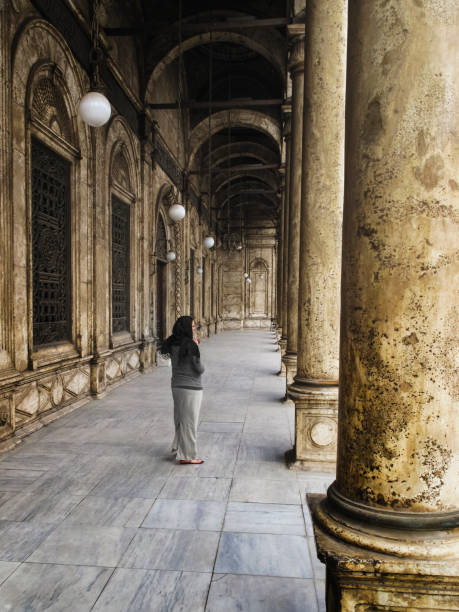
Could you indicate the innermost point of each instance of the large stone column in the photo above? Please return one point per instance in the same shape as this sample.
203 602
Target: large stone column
315 387
296 67
393 510
6 319
287 111
279 262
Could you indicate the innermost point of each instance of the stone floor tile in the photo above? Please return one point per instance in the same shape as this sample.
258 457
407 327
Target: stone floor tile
233 593
169 549
6 569
314 483
264 518
7 495
110 511
221 426
41 508
259 447
218 468
19 540
264 470
129 483
18 480
264 554
264 491
186 514
154 591
35 461
204 489
308 520
224 413
320 591
53 587
317 566
84 545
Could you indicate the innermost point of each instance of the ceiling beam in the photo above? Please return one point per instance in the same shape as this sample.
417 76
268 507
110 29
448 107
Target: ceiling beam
235 103
242 168
236 24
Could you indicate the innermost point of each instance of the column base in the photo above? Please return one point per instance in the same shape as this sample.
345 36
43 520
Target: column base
418 570
305 465
282 347
290 361
316 424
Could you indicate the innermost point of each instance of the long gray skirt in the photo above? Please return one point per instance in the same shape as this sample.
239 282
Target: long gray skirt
187 406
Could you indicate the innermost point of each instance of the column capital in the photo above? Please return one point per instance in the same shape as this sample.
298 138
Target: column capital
296 33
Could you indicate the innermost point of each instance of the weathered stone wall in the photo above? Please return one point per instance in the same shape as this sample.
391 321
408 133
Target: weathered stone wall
37 382
40 89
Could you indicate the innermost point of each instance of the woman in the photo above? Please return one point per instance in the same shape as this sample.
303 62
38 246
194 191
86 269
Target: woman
186 385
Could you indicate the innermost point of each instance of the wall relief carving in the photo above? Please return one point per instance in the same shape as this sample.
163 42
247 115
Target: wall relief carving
48 107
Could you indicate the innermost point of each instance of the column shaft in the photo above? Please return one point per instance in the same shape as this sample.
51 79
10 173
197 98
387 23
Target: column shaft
315 388
396 488
283 340
6 319
296 66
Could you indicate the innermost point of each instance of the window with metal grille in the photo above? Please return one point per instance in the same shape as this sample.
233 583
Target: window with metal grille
120 265
51 271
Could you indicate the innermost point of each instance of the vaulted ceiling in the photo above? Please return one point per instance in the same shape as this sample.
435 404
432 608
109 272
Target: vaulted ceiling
235 72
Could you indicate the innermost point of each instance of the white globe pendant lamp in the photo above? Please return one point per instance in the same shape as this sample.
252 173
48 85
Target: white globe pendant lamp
246 275
171 256
199 270
95 109
176 212
209 242
248 280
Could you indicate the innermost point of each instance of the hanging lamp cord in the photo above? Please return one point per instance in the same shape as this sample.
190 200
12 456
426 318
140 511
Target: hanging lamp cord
210 123
96 53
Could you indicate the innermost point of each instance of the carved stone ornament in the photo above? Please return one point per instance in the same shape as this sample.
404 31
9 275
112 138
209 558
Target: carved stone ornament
120 169
48 107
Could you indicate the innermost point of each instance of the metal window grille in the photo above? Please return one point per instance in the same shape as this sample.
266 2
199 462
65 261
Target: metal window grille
51 269
120 265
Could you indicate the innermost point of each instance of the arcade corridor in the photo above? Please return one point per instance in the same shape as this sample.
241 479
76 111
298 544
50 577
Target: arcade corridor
96 515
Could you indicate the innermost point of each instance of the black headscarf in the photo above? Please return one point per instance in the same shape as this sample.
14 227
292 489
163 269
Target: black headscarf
182 336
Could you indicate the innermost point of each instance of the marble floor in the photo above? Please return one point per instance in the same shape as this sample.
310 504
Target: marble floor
95 514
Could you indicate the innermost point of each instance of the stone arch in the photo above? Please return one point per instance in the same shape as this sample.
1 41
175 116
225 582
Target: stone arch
264 176
259 153
255 120
259 288
41 53
123 189
122 155
260 41
47 84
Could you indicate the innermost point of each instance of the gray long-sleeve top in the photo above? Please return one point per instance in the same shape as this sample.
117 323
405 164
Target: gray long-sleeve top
187 373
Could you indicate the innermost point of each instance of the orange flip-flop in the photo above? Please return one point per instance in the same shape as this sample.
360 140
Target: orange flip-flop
193 461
